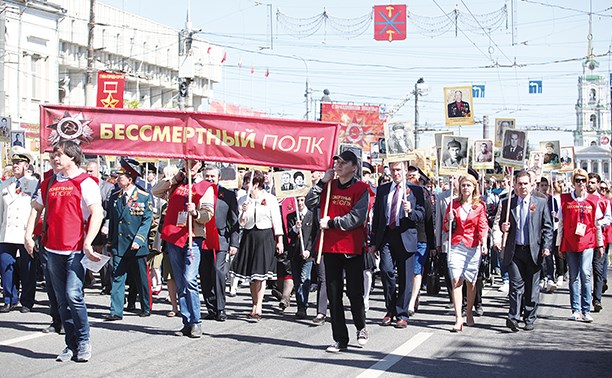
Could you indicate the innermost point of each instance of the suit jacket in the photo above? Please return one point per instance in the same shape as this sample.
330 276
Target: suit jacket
516 155
129 223
407 225
425 229
309 233
226 219
540 228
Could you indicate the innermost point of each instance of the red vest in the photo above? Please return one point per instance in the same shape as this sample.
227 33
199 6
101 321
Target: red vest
574 212
65 223
178 235
341 202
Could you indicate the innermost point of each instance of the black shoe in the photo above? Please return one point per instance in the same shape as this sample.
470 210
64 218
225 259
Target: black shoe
210 316
130 307
597 306
529 327
25 309
512 324
112 317
145 314
105 291
195 331
221 317
7 308
185 331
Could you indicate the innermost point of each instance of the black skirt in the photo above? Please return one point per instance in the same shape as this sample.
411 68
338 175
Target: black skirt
255 260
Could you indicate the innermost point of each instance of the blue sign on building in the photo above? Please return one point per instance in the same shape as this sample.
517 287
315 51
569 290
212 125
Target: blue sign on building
478 90
535 86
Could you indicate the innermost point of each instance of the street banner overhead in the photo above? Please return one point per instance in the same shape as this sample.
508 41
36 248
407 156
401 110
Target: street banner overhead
360 124
390 22
191 135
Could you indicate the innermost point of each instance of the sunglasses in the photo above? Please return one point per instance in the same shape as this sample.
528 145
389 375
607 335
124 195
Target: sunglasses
603 189
580 180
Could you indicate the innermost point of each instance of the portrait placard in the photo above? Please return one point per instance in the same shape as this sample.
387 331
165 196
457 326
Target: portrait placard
502 124
567 160
551 150
18 138
399 138
459 107
292 183
482 154
455 152
536 163
5 128
514 147
228 176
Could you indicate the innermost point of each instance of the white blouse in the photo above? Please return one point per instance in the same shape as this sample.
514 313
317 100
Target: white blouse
263 212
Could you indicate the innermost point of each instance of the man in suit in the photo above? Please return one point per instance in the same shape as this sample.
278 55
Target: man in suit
566 158
213 264
15 207
458 108
529 237
130 213
301 235
513 151
396 213
286 181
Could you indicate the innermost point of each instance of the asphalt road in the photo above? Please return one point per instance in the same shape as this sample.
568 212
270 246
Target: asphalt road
282 346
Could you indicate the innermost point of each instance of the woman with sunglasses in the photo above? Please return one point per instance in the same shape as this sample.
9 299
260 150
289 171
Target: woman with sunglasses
578 236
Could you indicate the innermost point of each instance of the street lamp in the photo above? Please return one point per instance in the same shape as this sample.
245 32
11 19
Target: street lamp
307 93
420 89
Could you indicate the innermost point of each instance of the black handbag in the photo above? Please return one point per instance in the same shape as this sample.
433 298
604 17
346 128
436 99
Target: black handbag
433 275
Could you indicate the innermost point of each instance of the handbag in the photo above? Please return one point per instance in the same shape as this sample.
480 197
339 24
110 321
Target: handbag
433 275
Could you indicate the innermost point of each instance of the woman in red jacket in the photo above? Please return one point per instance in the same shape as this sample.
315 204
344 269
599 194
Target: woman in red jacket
468 221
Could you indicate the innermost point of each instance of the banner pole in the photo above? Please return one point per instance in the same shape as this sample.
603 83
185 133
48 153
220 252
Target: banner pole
505 236
298 217
325 211
189 199
450 224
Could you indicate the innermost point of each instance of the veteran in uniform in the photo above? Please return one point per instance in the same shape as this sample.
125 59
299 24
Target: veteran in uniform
130 213
15 208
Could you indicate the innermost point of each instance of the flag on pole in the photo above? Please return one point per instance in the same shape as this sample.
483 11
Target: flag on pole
224 57
252 70
267 73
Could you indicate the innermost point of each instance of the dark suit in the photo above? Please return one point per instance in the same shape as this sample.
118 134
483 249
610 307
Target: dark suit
213 265
523 261
129 222
456 110
517 154
301 269
396 247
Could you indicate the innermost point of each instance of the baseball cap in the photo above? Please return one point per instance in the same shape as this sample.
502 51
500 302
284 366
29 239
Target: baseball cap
347 156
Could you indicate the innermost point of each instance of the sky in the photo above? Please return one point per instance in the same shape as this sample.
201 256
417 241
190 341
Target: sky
550 43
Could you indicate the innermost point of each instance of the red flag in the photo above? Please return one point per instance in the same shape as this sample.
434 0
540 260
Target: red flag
110 89
209 48
267 73
224 57
390 22
252 70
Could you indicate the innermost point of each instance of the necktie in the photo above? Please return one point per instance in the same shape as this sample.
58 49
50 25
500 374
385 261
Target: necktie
394 203
524 227
125 198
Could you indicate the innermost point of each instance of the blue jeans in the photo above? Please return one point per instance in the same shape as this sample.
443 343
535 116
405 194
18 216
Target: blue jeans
185 265
301 281
67 277
580 293
27 274
53 310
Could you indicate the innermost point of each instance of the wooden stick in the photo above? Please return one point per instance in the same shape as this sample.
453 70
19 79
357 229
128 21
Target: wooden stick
505 236
189 199
325 211
450 224
299 219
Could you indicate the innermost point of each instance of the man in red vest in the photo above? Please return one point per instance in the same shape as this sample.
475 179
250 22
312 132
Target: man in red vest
185 258
343 243
73 215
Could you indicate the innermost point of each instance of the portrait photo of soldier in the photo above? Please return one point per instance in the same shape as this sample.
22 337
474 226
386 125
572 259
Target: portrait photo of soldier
459 107
513 152
551 151
291 183
567 159
5 127
502 124
17 138
483 154
454 152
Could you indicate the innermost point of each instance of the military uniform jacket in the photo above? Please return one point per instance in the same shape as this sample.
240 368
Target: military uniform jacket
129 222
15 207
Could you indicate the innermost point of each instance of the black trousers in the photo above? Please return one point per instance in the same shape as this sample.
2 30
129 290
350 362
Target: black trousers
337 267
213 274
524 290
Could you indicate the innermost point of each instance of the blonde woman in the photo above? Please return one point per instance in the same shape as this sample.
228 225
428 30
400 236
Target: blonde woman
468 221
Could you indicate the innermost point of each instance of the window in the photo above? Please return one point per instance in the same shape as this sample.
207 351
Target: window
593 121
606 168
592 96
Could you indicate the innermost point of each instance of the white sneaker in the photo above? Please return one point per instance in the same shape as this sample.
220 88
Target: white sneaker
586 317
575 316
362 337
336 347
504 288
542 285
560 281
66 355
551 286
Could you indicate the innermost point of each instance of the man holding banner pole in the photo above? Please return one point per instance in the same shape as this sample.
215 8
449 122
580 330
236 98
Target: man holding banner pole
190 208
342 242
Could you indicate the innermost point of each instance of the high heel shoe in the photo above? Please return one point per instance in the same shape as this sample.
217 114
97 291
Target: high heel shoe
457 330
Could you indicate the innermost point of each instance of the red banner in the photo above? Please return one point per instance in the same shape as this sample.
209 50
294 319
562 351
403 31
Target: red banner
110 90
390 22
361 124
202 136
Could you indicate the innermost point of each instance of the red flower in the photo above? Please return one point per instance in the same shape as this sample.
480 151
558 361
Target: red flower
263 202
474 207
532 207
407 191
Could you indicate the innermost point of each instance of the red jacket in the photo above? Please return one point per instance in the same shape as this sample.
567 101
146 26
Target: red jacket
473 229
